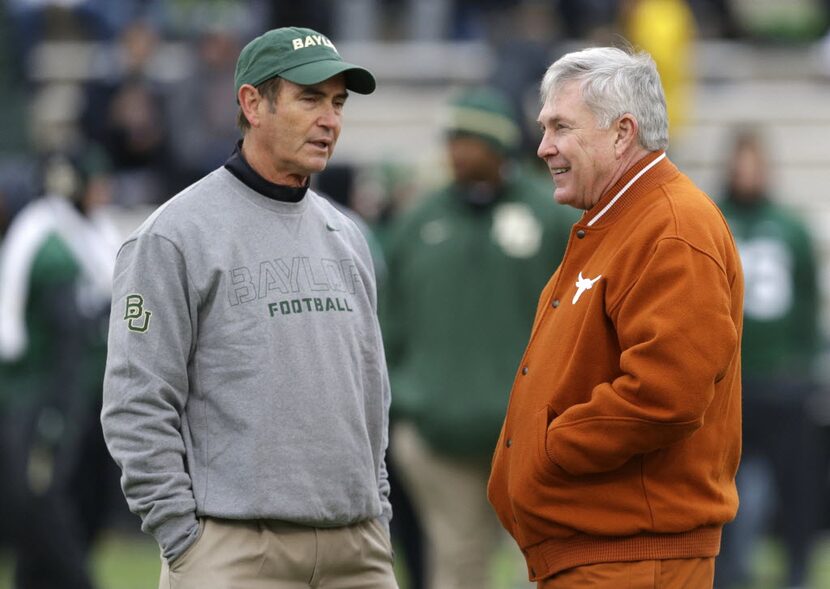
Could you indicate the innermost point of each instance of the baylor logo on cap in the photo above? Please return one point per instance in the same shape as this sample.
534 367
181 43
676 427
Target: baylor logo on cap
137 318
312 41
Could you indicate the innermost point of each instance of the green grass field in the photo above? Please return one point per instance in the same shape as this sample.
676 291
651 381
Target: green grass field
120 561
132 562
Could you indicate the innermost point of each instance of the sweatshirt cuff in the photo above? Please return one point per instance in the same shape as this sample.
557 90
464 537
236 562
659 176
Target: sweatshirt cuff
175 535
385 522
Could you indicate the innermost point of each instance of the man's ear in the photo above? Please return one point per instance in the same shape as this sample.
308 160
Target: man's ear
249 98
627 130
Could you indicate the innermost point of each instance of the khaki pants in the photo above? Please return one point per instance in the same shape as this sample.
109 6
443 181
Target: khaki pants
687 573
450 496
264 554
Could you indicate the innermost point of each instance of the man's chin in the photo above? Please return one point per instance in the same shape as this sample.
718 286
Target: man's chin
316 166
561 197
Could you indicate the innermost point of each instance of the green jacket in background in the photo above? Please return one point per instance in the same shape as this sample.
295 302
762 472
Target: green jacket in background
462 287
781 302
53 312
53 272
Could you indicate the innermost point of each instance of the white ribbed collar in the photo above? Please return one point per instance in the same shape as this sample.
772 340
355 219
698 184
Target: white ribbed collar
623 190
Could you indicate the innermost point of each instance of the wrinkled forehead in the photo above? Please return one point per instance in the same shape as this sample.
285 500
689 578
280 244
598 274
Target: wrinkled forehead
566 101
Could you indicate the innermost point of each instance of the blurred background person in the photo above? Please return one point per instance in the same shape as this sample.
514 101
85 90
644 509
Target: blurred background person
201 99
125 110
528 35
36 20
779 480
55 273
465 267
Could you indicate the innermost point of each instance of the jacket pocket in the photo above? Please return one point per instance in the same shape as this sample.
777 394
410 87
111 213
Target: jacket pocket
548 502
542 420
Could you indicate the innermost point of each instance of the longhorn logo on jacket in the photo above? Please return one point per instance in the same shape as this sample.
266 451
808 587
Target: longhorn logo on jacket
582 285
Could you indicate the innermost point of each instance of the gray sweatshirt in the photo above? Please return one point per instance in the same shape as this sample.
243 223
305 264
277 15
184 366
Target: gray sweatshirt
246 377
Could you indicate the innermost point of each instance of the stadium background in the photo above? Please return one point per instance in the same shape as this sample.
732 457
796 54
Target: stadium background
761 63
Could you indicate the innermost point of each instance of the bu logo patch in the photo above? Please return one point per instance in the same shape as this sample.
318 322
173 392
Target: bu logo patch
137 318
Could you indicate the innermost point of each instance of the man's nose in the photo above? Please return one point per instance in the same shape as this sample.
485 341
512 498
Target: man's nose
546 148
329 118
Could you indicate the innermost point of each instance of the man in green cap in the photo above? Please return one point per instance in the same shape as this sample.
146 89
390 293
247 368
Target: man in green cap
246 395
464 267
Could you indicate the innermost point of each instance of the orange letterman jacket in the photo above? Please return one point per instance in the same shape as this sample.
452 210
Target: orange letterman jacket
623 432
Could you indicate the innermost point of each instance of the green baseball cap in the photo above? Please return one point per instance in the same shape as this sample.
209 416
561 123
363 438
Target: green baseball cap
302 56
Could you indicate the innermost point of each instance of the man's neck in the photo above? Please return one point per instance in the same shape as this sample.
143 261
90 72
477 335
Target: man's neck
244 172
263 167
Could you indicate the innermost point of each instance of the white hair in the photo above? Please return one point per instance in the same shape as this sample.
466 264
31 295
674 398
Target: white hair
614 82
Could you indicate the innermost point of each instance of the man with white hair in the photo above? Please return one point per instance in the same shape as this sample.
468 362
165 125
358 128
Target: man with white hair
617 458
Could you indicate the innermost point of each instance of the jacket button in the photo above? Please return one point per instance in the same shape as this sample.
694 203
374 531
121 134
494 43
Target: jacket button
580 234
509 442
524 370
532 572
555 303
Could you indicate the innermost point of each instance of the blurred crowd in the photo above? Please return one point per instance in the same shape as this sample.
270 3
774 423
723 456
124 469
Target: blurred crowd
146 80
110 106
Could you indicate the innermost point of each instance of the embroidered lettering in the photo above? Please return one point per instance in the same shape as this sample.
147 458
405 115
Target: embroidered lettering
137 318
